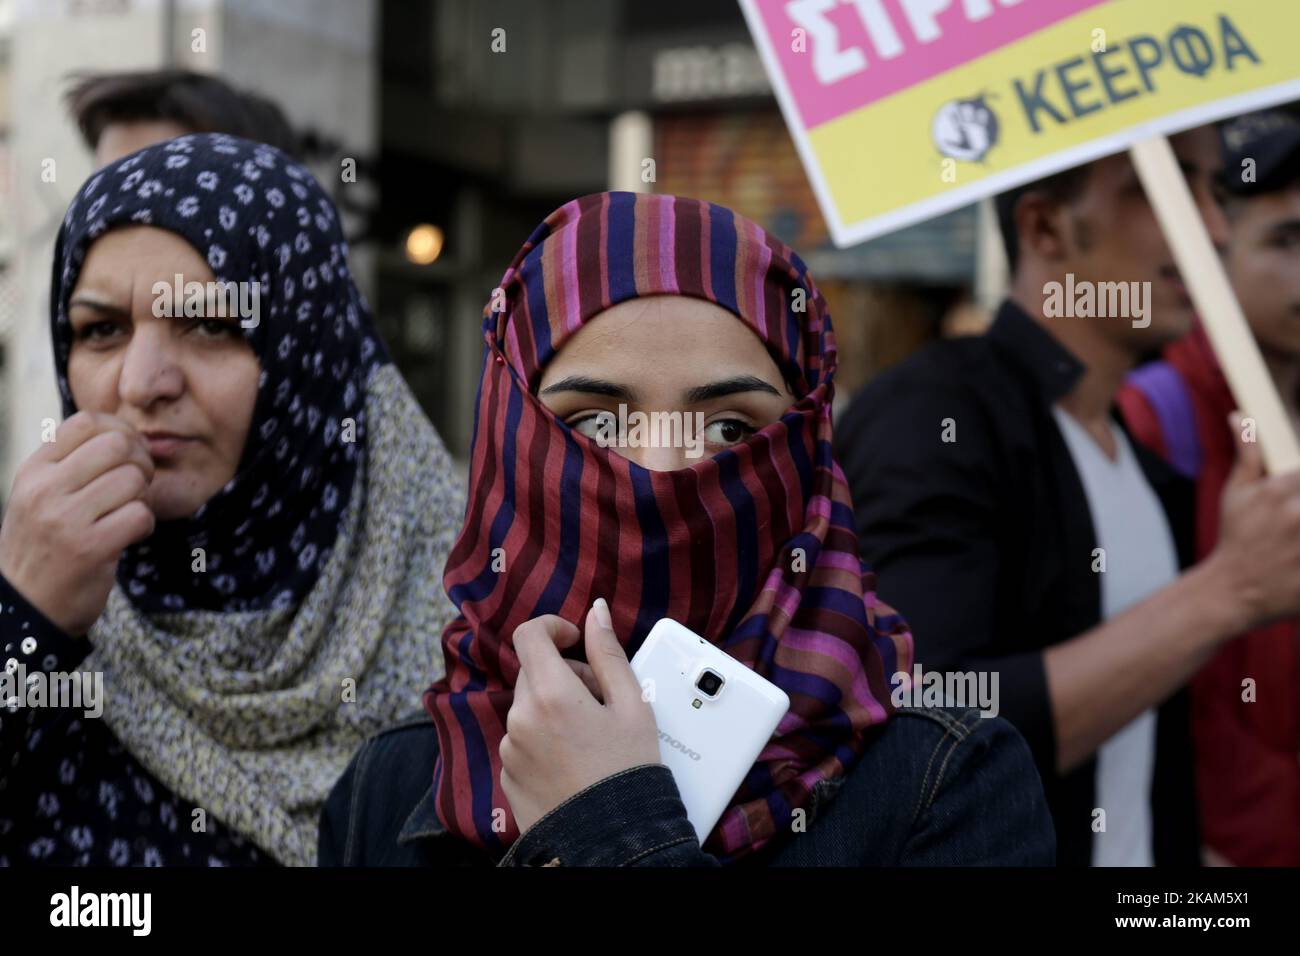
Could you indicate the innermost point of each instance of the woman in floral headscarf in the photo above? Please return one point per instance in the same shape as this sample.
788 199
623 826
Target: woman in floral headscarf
238 527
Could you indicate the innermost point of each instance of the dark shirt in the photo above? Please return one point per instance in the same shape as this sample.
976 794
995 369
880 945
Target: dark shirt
935 787
70 793
985 543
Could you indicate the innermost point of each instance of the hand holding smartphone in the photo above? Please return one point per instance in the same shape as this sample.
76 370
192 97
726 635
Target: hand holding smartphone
714 716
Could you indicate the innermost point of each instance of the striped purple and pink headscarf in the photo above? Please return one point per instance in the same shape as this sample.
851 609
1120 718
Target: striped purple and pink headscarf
754 549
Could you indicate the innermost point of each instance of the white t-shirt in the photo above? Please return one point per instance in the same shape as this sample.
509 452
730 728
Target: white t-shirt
1140 559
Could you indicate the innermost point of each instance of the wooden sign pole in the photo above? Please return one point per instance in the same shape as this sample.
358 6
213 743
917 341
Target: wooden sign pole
1217 305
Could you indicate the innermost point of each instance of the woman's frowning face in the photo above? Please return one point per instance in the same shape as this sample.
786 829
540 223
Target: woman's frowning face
188 384
665 354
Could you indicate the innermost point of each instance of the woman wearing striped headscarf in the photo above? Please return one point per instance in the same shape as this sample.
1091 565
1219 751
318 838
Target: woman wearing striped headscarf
578 537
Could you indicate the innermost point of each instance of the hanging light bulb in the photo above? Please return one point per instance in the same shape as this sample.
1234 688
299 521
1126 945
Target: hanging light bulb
423 244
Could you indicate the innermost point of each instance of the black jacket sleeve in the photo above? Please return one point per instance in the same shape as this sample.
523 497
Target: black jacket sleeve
380 813
923 464
31 645
988 767
632 818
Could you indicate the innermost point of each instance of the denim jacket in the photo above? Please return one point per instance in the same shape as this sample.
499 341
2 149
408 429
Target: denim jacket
935 787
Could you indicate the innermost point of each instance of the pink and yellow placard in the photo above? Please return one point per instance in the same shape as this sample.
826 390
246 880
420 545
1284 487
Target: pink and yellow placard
905 109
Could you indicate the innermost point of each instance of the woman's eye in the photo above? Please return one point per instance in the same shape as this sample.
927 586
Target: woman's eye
217 328
97 331
727 431
594 426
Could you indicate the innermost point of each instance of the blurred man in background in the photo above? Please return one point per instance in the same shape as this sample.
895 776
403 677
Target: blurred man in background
1014 523
1246 700
119 113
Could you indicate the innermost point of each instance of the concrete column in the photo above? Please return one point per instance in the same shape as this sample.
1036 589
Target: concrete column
991 272
631 143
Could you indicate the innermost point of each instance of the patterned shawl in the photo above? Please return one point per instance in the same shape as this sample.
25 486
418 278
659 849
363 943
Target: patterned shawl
754 548
246 687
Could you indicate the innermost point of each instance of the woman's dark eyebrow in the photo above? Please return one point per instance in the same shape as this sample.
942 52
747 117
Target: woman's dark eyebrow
1285 229
728 386
591 386
116 311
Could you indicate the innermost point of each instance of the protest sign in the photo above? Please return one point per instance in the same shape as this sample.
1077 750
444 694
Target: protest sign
901 116
905 109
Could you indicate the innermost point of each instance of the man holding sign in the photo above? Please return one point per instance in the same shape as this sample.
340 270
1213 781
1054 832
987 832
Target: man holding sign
1009 487
1246 701
1023 533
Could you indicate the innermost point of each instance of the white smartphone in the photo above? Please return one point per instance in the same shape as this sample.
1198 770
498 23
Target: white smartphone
714 714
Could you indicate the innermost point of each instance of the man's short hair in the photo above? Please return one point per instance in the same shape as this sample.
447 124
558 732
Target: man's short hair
1261 153
1059 187
195 101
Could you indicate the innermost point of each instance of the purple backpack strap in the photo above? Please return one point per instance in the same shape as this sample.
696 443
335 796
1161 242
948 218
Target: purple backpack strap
1165 389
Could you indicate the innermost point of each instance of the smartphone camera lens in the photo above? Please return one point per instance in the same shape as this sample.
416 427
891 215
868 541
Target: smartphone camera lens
709 683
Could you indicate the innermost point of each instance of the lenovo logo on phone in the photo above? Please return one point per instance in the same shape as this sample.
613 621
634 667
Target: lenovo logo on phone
678 745
714 714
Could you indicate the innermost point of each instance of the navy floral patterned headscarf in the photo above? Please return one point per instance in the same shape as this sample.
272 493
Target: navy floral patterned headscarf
333 549
254 214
